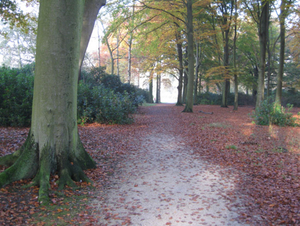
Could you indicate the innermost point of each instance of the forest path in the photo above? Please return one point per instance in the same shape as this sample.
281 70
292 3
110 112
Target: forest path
163 183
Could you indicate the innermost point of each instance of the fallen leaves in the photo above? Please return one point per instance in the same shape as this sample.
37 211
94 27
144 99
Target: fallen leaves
266 157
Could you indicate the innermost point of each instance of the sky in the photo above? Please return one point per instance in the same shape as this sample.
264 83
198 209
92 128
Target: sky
168 95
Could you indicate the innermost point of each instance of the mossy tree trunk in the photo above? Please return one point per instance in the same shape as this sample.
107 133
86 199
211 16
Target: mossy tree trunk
53 144
190 35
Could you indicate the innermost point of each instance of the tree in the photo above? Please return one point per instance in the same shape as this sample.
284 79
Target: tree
260 12
190 37
53 144
234 59
226 9
284 7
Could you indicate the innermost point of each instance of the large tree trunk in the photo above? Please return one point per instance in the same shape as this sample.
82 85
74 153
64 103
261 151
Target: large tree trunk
281 58
91 9
190 90
263 27
53 144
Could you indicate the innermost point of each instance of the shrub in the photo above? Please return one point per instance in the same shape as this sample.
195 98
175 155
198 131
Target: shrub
16 93
271 113
103 105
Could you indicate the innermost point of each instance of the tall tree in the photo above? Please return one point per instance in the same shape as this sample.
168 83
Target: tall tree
236 93
53 144
260 12
226 9
190 38
180 68
284 8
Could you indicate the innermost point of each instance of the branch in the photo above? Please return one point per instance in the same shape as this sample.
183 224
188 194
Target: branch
162 10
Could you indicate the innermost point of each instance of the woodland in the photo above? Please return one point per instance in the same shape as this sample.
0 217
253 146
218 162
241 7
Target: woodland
68 116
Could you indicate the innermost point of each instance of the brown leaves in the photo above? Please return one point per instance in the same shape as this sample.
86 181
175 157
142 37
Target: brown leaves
267 159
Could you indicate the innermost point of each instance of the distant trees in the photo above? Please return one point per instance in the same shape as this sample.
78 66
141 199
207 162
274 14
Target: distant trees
144 33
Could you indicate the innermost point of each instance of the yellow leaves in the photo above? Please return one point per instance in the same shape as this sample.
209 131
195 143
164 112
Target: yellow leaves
220 71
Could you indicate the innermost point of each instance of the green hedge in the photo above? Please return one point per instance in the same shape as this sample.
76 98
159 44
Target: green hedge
103 105
16 92
101 97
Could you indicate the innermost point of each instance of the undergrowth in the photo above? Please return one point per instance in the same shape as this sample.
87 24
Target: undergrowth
270 112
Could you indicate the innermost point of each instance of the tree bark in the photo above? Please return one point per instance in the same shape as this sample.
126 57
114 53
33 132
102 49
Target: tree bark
158 83
151 86
263 27
282 49
190 99
197 72
180 61
236 92
53 144
91 9
129 58
226 29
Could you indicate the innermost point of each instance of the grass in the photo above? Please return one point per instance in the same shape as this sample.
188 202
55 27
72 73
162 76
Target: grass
148 104
218 125
63 210
231 147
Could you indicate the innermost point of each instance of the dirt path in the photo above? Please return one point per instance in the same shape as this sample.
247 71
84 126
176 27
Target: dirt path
163 183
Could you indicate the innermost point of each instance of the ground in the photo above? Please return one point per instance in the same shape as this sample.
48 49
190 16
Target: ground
172 168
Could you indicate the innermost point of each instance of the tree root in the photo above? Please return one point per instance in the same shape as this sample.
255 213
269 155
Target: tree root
30 165
24 167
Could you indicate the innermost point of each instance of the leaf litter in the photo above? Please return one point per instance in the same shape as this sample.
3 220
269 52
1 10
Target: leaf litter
253 171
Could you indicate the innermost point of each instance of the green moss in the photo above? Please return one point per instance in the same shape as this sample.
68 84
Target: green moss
24 167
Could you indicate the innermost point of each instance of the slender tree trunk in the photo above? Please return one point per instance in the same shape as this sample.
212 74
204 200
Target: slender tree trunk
129 58
190 90
226 83
99 46
53 144
281 58
109 50
263 28
180 61
200 86
269 64
236 92
19 51
158 89
118 54
112 60
130 45
185 75
197 71
254 89
151 86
